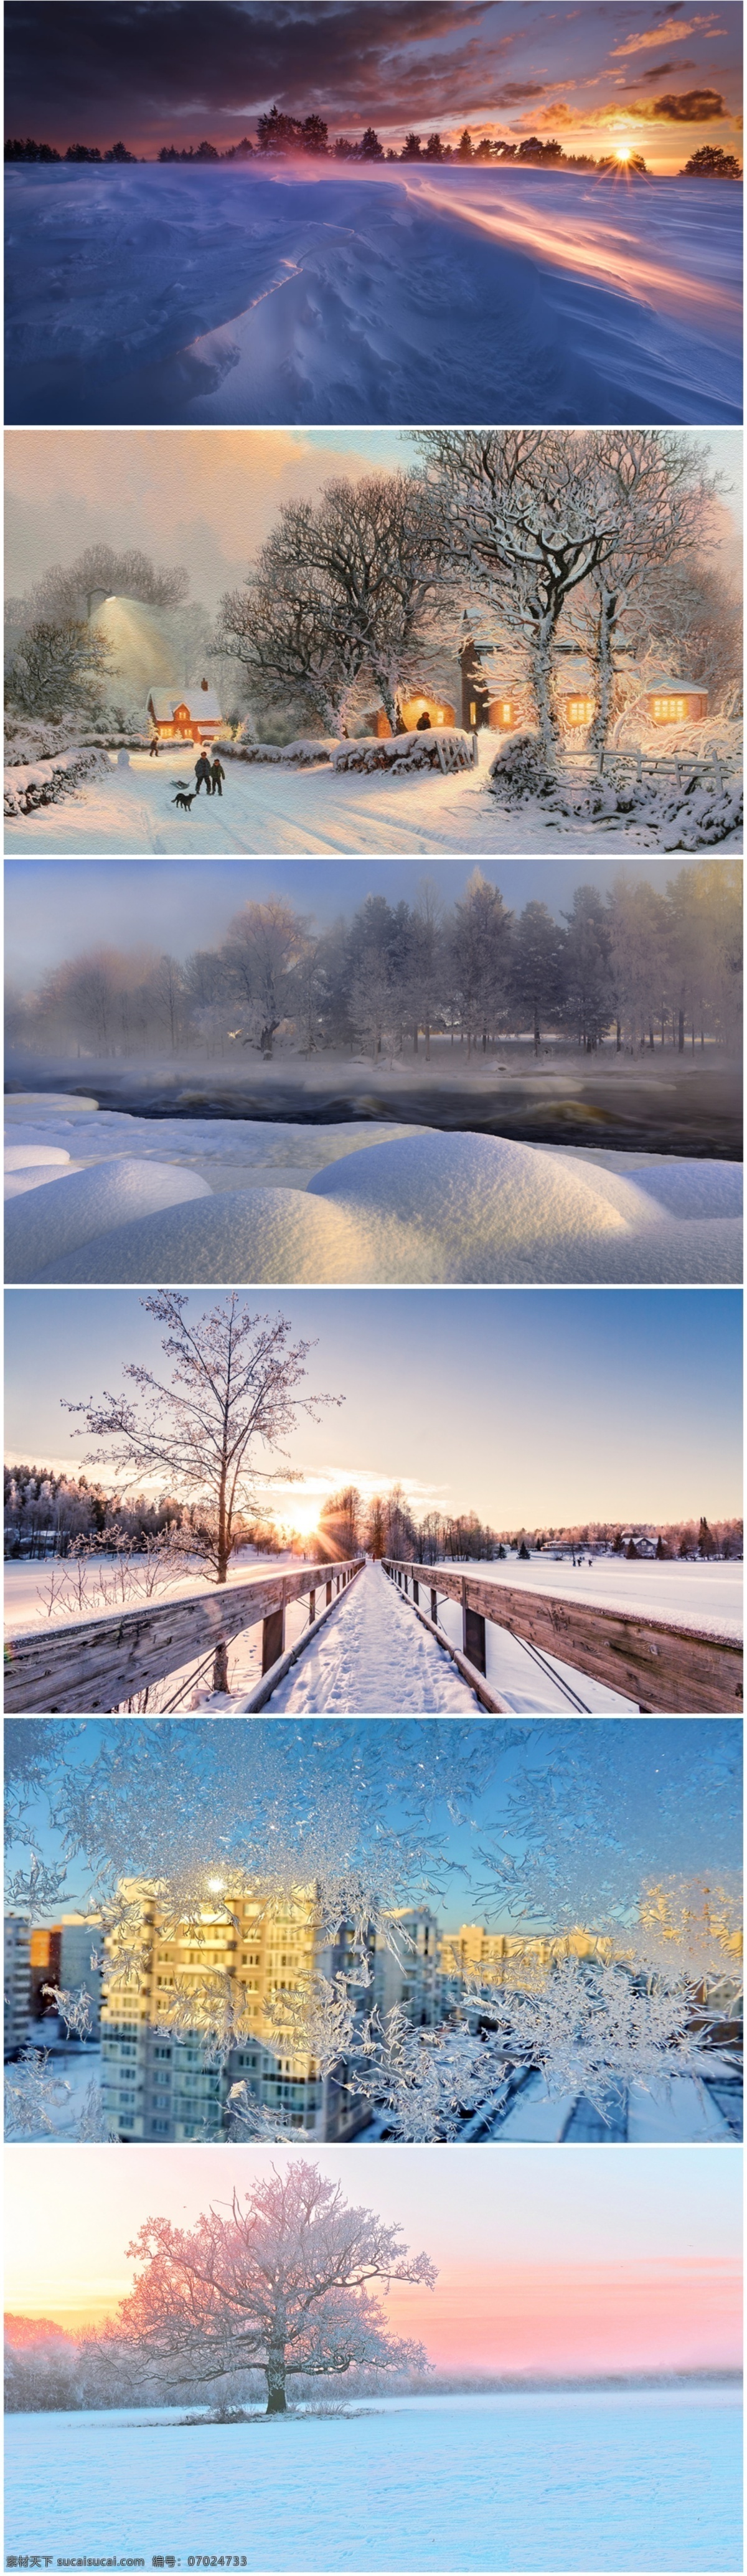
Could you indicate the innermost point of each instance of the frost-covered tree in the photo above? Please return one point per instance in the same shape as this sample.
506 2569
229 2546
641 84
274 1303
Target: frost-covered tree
62 592
282 2285
58 667
344 588
262 952
526 521
232 1390
480 949
653 491
536 967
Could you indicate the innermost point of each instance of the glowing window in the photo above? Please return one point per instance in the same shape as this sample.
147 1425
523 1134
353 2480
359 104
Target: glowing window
670 710
580 711
472 712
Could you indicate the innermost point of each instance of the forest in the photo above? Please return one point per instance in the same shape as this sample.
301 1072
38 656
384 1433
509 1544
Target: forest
649 970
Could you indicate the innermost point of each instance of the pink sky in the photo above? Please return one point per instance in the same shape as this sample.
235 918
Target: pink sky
597 2259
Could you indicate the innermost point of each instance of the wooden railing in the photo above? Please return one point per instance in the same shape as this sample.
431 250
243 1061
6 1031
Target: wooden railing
662 1668
101 1663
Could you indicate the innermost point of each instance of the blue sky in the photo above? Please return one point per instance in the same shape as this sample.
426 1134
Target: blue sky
660 1834
536 1406
55 908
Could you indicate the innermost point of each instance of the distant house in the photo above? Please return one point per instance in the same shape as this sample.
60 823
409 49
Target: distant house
421 709
671 701
576 694
194 716
484 700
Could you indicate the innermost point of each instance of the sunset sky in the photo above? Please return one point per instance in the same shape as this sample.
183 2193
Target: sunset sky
593 2260
208 498
535 1406
660 79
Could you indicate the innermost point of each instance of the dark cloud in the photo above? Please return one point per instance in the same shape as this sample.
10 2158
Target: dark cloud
512 92
659 71
82 68
691 107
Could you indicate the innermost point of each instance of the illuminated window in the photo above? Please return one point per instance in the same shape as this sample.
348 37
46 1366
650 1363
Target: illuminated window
580 711
670 710
506 712
472 712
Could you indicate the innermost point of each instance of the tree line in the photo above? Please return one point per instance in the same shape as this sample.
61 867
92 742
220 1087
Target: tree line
49 1515
280 133
652 969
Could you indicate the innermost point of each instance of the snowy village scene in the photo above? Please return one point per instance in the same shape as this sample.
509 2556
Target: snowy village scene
233 2346
358 1072
375 1932
334 212
373 1503
487 640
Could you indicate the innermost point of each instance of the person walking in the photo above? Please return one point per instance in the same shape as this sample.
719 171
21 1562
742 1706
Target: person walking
203 771
217 774
154 747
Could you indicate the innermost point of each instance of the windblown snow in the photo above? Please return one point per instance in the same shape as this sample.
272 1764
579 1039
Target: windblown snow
245 295
153 1202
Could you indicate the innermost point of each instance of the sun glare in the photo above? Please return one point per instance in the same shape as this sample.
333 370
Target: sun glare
623 152
305 1517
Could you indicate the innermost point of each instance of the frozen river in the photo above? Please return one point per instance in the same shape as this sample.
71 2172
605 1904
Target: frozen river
624 2480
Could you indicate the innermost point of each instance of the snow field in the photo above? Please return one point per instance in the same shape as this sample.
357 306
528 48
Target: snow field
354 1205
331 295
271 811
602 2480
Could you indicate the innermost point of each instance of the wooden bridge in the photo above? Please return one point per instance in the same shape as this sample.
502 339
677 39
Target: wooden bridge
661 1668
102 1662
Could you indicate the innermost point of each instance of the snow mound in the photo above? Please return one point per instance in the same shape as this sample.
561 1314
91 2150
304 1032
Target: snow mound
288 755
46 782
438 747
45 1225
23 1107
37 1176
20 1157
481 1208
280 1236
688 1188
691 815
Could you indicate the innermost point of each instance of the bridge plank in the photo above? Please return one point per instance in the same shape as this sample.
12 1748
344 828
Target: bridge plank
663 1668
89 1664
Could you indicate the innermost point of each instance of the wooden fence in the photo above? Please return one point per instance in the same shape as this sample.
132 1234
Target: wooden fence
662 1668
102 1662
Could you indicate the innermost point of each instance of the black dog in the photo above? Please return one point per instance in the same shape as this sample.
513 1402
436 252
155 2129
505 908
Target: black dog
184 800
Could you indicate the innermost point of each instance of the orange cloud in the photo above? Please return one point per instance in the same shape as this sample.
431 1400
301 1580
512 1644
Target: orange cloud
669 33
578 2320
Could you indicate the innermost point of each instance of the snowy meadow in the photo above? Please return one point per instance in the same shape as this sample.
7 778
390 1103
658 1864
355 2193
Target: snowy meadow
621 2479
215 296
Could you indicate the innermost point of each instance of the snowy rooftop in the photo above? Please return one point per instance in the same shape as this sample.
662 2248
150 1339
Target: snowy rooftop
200 703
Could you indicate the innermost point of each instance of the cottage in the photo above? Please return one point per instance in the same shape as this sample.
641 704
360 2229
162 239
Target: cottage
194 716
576 696
416 712
483 701
676 701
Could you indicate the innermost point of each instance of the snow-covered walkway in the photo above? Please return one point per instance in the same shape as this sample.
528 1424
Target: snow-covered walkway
307 813
372 1658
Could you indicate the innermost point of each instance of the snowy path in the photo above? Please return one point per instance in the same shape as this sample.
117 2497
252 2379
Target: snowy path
327 295
268 810
372 1658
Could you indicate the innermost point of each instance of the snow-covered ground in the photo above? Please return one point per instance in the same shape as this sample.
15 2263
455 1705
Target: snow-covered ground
372 1656
259 1201
402 295
627 2480
267 809
701 1596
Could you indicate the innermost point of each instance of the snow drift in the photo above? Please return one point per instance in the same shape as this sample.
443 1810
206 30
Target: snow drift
245 1201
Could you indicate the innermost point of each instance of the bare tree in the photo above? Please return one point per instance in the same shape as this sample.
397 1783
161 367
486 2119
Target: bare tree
263 949
344 587
281 2285
232 1389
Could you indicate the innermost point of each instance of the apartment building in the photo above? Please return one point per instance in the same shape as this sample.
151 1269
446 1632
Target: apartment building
17 1983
